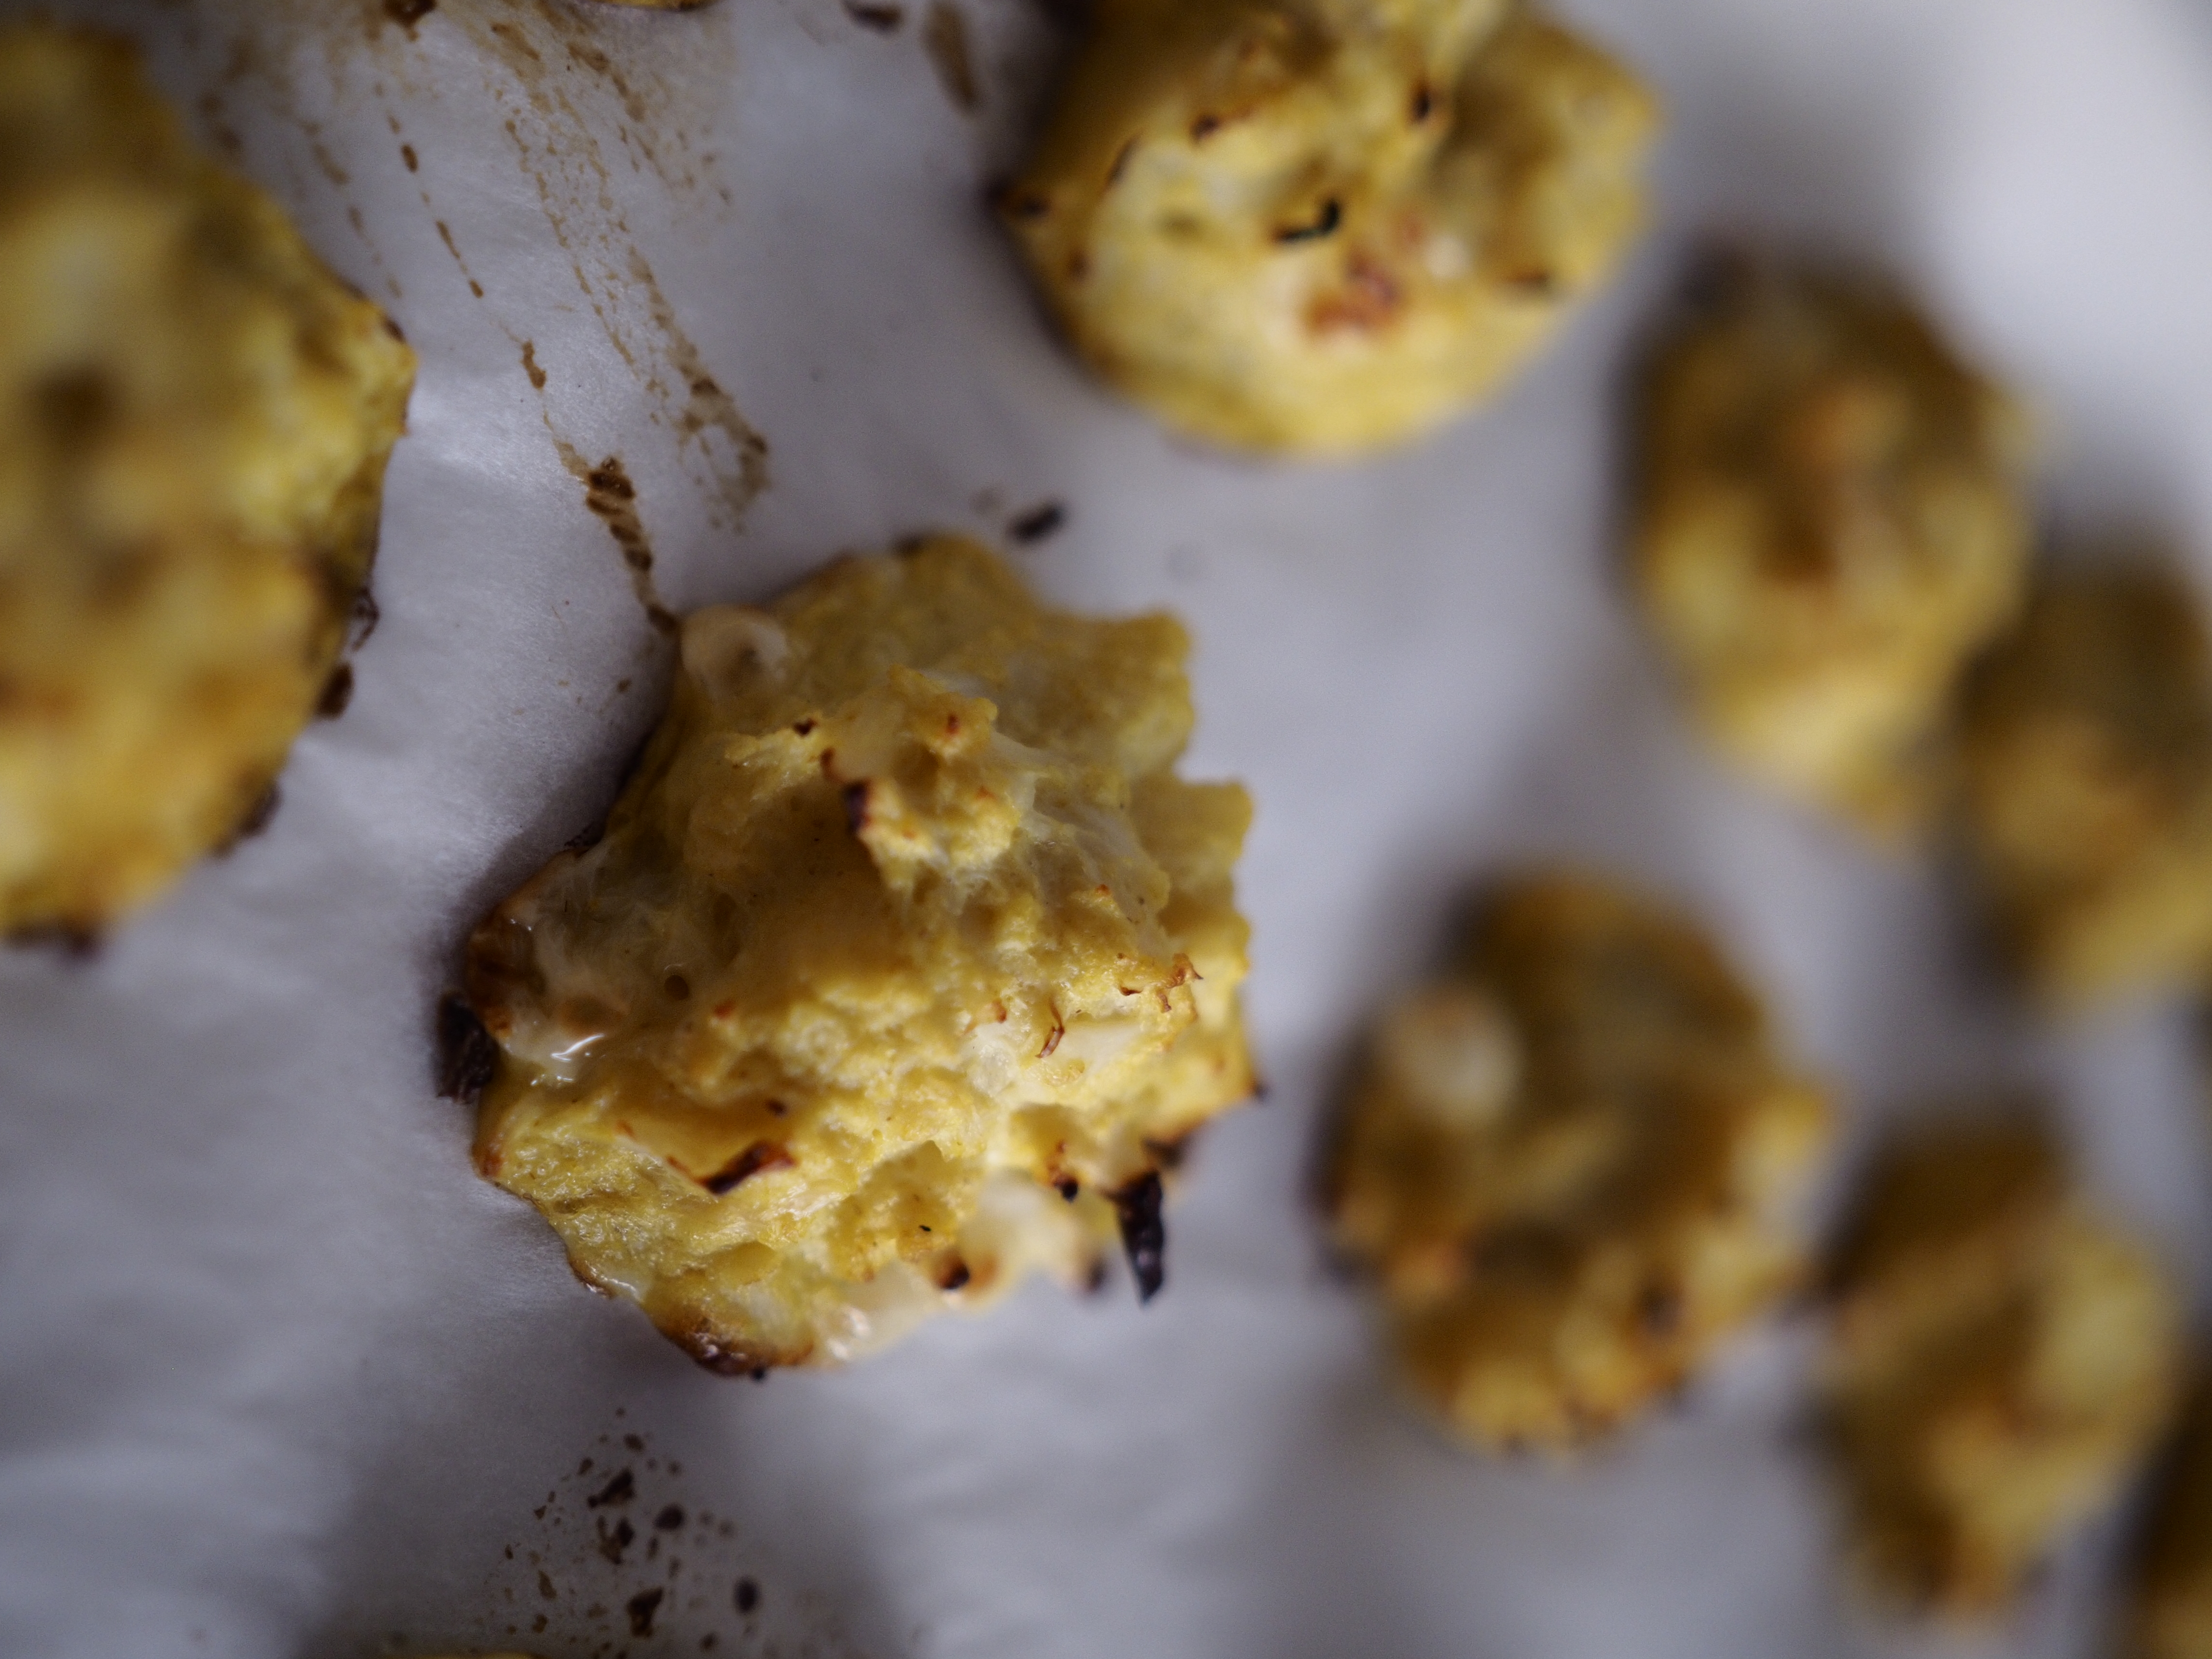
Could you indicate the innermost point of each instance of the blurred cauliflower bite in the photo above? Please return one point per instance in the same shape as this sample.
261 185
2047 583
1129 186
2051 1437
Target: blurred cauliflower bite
1320 226
2002 1360
905 964
194 420
1830 520
2086 745
1568 1166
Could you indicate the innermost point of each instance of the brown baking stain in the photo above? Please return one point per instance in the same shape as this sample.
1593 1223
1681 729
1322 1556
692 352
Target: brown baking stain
530 365
944 37
611 498
883 20
408 12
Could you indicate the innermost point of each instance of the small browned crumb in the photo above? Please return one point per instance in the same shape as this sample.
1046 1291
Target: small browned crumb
2085 767
2169 1611
1569 1165
1829 521
2003 1358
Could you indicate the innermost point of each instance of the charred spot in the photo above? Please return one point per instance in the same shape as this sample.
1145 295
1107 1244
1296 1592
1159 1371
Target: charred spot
256 819
804 728
954 1276
1012 201
1039 522
1324 224
641 1608
856 807
1204 128
616 1493
1144 1232
1068 1188
407 155
408 12
366 613
71 941
1423 103
467 1056
748 1596
669 1519
761 1155
336 693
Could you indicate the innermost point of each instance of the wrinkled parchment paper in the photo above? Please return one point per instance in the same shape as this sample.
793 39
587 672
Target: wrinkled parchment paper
281 1377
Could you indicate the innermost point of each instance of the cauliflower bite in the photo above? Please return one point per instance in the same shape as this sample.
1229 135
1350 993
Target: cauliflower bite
906 963
1829 521
194 419
2002 1359
1320 226
1568 1165
2086 783
2169 1615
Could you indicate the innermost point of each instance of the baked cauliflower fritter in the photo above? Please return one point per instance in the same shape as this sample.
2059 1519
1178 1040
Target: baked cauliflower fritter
2085 784
2003 1358
906 963
1568 1165
194 420
1319 227
1829 519
2169 1608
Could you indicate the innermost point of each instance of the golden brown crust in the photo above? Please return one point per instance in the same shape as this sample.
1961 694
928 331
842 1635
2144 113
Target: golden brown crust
194 420
903 953
2086 763
1829 521
1566 1166
2002 1360
1316 228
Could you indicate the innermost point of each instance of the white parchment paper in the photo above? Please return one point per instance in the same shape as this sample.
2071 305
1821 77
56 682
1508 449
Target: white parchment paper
281 1377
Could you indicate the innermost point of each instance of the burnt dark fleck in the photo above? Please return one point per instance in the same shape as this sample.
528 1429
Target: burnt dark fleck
1423 102
1068 1188
1204 128
1325 223
1144 1233
408 12
466 1054
761 1155
748 1595
337 692
804 728
618 1491
256 818
641 1607
1039 522
955 1276
670 1518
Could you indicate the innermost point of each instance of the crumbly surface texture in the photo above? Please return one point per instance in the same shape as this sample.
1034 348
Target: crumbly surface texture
906 963
194 420
2169 1609
1569 1166
2085 767
1829 519
1320 226
2003 1358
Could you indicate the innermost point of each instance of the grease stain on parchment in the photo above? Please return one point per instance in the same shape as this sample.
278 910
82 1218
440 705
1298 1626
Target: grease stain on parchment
589 99
611 498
